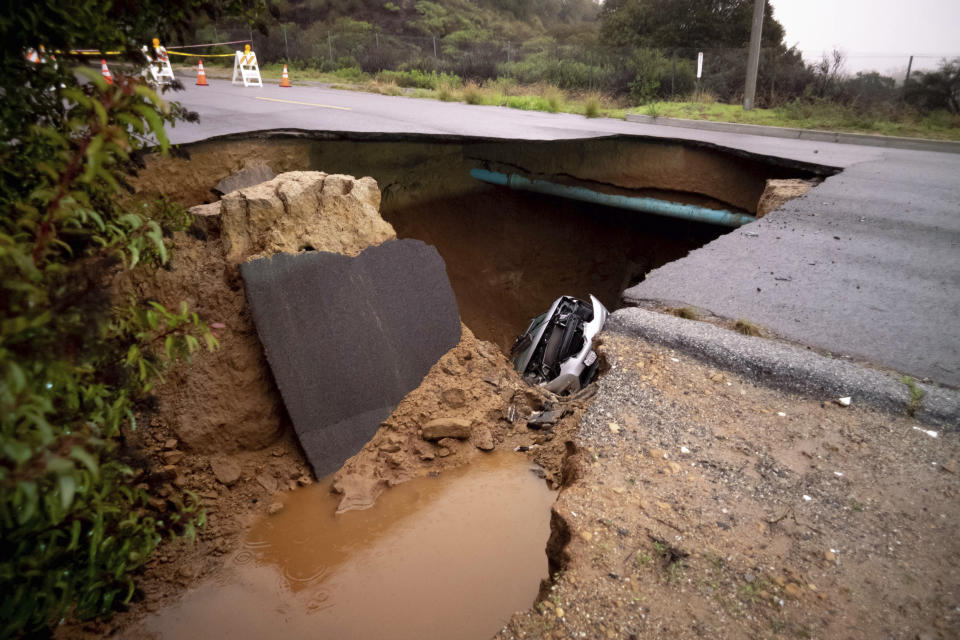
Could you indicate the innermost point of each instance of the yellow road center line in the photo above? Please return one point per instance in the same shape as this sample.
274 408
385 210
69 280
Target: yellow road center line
306 104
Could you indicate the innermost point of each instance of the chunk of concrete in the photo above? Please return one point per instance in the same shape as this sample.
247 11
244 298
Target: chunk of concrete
440 428
348 337
303 210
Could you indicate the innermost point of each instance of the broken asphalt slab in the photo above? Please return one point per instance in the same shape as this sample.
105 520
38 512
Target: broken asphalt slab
789 367
348 337
865 265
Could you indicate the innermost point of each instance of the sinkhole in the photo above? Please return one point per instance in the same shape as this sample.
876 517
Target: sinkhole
475 535
510 253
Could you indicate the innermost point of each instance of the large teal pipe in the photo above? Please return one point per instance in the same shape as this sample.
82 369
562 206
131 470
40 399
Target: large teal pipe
646 205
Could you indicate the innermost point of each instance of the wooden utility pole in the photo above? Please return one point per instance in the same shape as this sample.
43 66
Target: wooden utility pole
753 59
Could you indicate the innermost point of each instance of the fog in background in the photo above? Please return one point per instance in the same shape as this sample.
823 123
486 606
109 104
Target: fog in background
875 35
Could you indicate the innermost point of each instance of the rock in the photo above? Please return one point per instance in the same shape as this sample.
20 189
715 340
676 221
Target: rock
440 428
390 447
188 571
268 482
542 419
586 535
559 612
274 508
300 209
793 590
246 177
673 467
171 444
425 451
207 217
614 427
845 401
443 452
659 454
483 439
173 457
830 556
225 470
950 466
304 480
449 443
395 460
453 398
750 578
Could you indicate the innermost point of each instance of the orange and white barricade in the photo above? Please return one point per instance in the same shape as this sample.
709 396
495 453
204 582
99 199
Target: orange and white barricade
158 68
246 69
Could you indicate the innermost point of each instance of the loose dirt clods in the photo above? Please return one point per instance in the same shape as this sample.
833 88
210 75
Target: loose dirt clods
462 408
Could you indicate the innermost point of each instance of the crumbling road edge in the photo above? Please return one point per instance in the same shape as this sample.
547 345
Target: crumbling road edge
791 368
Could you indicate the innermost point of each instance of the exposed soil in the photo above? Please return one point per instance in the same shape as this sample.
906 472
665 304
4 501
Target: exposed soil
705 506
225 401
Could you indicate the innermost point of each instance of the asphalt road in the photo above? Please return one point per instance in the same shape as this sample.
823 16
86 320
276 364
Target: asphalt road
866 265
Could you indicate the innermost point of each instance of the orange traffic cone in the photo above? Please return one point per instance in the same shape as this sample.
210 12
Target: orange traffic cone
201 76
285 79
105 71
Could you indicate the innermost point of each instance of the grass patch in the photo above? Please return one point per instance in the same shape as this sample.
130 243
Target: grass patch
687 313
829 116
591 106
916 395
472 94
747 328
528 103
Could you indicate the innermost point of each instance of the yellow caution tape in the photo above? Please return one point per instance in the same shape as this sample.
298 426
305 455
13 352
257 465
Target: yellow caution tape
201 55
173 53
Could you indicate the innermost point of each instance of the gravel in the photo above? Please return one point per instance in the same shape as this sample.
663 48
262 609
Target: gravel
789 367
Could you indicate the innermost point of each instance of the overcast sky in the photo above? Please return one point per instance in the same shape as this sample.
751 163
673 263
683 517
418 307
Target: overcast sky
875 34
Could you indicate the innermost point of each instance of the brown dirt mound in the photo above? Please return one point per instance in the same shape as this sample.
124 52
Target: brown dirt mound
474 387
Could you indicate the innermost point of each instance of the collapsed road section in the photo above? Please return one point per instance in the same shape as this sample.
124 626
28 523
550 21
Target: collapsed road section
508 256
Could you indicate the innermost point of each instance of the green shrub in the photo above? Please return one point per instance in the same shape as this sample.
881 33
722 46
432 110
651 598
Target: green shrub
351 74
591 106
419 79
472 93
528 103
78 357
553 98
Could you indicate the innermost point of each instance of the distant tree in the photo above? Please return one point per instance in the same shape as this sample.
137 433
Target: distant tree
684 24
870 89
938 89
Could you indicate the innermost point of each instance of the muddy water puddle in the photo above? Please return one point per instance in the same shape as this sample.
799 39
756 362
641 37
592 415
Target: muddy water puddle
451 556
